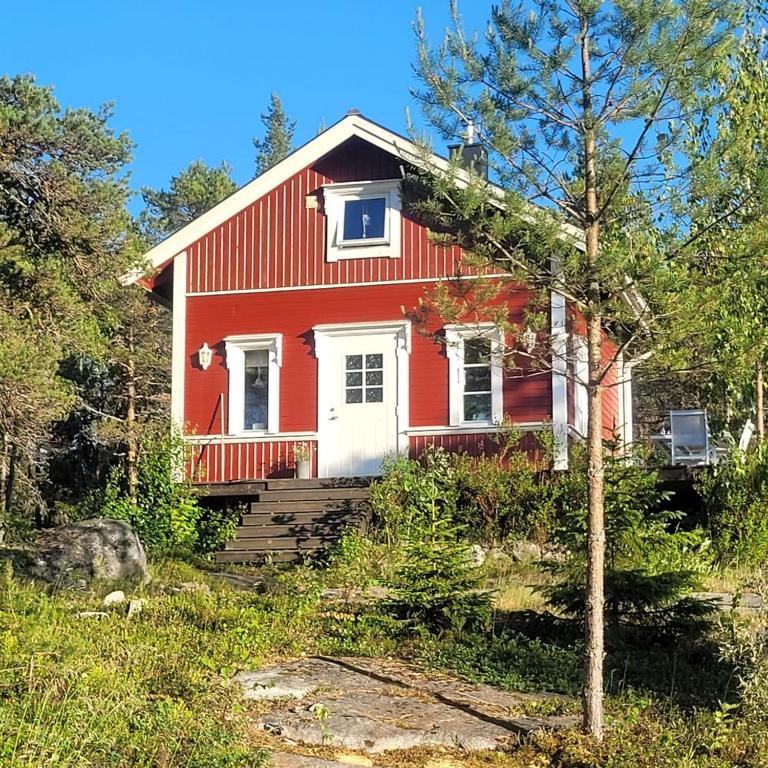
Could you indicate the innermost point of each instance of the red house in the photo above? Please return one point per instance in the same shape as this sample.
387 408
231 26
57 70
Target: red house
289 305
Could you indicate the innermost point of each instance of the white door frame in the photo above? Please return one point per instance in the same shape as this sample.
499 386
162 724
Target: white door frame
323 335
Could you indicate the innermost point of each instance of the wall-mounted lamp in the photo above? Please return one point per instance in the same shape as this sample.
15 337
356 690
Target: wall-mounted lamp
204 356
528 340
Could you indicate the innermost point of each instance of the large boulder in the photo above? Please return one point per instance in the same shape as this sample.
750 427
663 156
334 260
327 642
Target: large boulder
104 549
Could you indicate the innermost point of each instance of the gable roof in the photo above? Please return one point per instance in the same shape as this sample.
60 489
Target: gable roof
352 125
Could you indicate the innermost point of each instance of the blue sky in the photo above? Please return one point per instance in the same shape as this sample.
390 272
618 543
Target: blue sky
190 79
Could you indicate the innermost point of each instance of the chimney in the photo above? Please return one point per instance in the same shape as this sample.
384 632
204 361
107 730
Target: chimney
472 155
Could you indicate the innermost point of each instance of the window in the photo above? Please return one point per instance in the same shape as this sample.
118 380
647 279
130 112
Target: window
254 382
364 378
363 219
475 383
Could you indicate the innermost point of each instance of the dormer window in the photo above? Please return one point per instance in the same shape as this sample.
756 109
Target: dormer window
363 219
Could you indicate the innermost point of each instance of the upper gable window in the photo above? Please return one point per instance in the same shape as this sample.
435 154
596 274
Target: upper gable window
363 219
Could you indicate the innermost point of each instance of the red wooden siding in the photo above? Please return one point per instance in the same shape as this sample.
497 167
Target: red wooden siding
277 242
293 313
474 444
220 462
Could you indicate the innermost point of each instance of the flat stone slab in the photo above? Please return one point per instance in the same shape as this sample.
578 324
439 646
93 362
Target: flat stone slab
749 602
375 705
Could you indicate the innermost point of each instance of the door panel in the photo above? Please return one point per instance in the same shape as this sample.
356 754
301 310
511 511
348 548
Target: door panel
361 411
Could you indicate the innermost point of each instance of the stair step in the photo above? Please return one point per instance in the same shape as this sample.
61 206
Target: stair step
242 556
267 519
255 532
278 543
313 505
283 484
314 494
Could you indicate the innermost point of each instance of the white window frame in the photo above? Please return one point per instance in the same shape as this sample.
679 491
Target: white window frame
334 198
455 336
235 348
580 380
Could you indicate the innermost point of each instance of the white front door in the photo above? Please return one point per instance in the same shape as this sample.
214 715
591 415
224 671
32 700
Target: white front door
358 414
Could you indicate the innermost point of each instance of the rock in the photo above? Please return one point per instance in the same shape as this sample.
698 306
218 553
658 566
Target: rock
525 551
477 555
286 760
135 607
92 615
101 548
375 705
194 586
113 598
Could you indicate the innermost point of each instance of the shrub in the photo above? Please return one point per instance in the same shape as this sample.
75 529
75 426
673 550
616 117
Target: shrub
645 584
735 494
434 586
166 516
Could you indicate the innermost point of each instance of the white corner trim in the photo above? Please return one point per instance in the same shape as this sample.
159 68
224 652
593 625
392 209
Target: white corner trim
178 340
235 348
336 195
455 335
559 336
626 406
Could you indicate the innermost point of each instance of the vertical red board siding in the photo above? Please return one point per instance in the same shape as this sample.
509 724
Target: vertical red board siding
221 462
210 318
475 444
278 242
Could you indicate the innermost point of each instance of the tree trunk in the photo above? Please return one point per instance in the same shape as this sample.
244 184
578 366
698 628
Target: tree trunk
10 480
759 404
130 422
595 594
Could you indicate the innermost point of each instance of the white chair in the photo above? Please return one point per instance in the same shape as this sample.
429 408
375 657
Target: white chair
690 438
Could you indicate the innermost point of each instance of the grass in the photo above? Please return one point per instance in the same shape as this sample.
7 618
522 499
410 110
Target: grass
154 690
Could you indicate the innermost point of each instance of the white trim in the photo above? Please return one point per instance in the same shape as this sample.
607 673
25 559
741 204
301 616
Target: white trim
313 150
178 340
335 196
559 336
525 426
235 348
626 407
251 437
455 336
580 381
323 334
321 286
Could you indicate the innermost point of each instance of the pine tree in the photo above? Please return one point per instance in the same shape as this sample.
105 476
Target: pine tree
278 138
191 193
579 106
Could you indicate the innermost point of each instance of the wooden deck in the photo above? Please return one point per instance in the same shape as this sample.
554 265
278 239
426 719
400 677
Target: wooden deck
289 519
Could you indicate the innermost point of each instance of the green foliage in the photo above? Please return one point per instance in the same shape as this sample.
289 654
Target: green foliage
434 583
735 494
646 579
509 660
495 498
278 138
192 192
167 516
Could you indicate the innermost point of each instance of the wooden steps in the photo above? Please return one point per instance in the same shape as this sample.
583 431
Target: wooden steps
291 519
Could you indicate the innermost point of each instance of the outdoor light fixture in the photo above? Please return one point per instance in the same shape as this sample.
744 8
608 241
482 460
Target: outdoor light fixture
528 339
204 356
